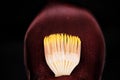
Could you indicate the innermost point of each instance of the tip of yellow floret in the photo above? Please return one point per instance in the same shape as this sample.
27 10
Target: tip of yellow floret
65 38
62 42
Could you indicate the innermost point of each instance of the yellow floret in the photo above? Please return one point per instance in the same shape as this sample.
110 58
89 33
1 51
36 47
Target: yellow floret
62 52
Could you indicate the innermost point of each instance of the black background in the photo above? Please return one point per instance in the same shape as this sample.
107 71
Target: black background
16 16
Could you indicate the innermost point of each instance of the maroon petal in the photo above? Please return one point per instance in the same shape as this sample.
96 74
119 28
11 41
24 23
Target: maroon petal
70 20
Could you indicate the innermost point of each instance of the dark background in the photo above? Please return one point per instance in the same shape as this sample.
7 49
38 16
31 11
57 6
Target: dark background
16 16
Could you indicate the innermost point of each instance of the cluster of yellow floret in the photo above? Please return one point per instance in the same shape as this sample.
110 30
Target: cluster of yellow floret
62 53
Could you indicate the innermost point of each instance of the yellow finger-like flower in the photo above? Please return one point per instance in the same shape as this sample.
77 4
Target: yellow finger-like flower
62 53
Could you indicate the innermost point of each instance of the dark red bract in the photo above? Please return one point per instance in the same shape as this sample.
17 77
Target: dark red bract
70 20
